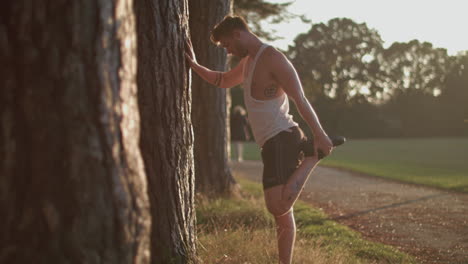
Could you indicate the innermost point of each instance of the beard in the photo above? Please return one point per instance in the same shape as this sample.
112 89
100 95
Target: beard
240 51
243 54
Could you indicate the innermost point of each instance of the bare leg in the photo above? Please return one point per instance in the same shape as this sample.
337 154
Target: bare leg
286 234
240 151
238 148
280 200
293 188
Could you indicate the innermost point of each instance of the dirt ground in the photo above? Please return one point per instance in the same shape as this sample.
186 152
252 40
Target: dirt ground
428 223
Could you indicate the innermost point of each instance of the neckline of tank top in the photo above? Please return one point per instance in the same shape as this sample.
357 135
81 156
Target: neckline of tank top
251 69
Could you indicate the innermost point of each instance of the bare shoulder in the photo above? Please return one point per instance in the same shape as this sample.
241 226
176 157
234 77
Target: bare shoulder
276 61
274 55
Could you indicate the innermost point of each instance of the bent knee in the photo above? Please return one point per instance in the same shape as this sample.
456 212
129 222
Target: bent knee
286 222
278 209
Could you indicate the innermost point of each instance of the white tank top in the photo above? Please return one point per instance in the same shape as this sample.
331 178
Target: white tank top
266 117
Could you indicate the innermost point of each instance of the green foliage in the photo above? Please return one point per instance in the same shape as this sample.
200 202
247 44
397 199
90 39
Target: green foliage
339 59
361 90
255 11
415 66
453 101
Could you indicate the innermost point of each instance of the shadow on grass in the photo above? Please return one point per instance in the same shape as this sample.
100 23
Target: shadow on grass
394 205
235 230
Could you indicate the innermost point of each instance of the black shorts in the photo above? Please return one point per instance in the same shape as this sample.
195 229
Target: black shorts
281 155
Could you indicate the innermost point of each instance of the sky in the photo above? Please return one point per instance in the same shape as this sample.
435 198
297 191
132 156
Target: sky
444 23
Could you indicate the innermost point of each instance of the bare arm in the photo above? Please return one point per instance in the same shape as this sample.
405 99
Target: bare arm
285 74
221 79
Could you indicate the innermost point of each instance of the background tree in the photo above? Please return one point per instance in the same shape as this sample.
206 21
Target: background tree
257 11
417 75
416 65
414 113
454 98
72 187
339 66
164 98
339 60
210 108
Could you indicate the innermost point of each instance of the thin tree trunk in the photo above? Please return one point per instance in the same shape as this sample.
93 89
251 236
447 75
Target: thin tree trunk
210 109
72 185
166 134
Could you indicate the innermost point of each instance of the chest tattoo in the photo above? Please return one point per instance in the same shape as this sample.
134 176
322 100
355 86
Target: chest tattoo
270 91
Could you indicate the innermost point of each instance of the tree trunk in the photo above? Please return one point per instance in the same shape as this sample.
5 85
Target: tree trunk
166 129
210 111
72 185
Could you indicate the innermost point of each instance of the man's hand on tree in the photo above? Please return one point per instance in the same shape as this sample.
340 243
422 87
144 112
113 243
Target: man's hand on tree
189 53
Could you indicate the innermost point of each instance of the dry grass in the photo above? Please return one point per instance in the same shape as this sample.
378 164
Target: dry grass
242 231
244 245
244 236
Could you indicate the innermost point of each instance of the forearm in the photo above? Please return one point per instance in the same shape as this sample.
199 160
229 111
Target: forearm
309 115
213 77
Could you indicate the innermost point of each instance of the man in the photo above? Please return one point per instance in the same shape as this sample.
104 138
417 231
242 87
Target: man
269 79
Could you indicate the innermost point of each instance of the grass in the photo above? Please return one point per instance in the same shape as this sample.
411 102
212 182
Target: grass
242 231
437 162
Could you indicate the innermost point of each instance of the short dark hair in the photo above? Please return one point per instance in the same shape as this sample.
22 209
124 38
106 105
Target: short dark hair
226 26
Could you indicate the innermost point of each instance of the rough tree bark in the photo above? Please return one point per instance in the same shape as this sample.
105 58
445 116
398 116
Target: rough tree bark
72 185
166 129
210 108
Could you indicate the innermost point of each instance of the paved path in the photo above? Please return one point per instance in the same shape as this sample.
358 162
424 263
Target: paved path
425 222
